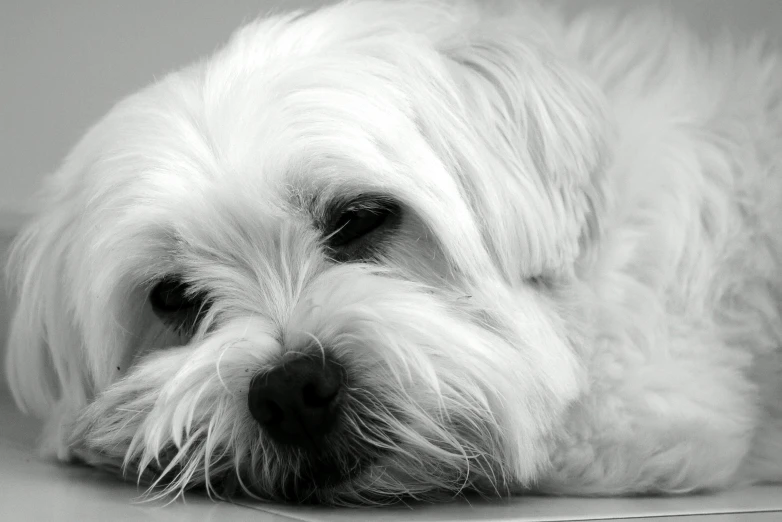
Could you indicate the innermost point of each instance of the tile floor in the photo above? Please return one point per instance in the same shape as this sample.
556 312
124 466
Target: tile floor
31 489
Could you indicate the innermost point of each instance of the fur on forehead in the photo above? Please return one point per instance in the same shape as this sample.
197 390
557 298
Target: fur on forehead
448 92
405 99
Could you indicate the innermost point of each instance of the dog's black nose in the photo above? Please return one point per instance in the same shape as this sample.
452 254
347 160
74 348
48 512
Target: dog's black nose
297 403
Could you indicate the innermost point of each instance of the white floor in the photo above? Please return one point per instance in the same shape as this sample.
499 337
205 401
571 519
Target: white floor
34 490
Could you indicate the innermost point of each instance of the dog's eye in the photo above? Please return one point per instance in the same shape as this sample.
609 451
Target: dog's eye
354 224
358 221
171 297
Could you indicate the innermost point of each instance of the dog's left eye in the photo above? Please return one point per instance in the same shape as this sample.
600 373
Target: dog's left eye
359 220
354 224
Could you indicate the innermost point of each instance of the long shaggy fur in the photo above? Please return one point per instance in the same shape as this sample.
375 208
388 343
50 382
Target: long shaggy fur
583 294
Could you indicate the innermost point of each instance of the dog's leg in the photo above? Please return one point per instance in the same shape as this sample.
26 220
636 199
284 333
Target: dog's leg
764 462
656 425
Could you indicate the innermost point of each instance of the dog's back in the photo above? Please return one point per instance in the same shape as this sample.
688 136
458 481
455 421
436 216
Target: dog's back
689 272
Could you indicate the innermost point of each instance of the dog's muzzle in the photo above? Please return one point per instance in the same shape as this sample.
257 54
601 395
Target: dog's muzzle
297 403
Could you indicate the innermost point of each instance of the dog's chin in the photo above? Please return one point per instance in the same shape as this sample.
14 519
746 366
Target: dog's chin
315 473
349 466
313 476
365 459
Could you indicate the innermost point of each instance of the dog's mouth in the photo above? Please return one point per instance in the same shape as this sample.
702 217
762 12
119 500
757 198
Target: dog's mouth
316 472
319 474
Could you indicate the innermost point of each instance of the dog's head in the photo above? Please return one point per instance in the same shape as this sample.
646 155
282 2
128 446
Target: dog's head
334 262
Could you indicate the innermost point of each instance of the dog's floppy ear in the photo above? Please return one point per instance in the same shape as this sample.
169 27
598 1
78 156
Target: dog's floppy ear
47 368
43 360
540 129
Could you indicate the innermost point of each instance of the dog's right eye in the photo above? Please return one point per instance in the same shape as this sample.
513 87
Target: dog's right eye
171 299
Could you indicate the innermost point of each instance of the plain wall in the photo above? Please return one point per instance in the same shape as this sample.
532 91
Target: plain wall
63 64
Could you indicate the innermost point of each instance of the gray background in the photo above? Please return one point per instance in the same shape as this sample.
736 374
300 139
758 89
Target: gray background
65 63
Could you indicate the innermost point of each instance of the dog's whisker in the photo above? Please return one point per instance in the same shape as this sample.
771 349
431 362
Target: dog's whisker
319 345
217 369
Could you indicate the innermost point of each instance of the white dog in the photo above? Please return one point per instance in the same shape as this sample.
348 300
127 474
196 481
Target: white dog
385 250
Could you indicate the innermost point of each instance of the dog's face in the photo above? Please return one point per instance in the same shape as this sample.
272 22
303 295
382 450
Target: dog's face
335 262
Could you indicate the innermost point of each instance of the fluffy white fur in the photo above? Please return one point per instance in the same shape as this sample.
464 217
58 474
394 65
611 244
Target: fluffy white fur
583 295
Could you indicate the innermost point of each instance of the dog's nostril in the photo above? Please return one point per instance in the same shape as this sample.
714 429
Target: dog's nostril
297 402
319 394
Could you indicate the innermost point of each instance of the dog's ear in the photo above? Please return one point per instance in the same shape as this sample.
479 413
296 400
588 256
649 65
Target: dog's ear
82 310
539 129
44 362
49 367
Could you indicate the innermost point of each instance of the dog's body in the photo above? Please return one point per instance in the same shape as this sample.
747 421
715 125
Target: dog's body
575 286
